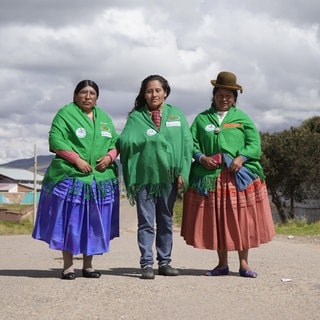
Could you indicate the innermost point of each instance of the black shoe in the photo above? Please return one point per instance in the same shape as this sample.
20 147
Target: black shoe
91 274
147 273
167 270
68 276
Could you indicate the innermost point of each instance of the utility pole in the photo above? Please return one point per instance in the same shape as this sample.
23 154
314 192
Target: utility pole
35 185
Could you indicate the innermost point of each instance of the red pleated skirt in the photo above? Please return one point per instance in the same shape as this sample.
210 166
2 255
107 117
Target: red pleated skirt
228 219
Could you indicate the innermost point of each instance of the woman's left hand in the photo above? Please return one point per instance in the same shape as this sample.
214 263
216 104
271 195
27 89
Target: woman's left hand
236 164
103 163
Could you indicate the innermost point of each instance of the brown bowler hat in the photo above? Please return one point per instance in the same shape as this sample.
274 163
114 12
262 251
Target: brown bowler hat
226 80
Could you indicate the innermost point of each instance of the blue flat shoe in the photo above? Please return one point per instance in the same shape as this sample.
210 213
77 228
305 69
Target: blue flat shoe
218 272
248 273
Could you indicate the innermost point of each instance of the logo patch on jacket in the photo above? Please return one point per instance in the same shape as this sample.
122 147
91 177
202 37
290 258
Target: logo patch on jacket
105 130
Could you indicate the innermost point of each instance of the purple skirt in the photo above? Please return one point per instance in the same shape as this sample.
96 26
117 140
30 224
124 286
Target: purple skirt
78 218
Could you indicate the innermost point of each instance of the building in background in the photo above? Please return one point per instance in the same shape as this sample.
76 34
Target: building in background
17 186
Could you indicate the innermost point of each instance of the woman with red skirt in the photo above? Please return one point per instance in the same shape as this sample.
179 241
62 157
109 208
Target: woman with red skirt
226 207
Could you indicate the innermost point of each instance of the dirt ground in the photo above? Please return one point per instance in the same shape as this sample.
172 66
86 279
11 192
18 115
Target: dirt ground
288 285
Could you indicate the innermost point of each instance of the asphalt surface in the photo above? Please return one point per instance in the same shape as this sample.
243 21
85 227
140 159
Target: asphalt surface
288 285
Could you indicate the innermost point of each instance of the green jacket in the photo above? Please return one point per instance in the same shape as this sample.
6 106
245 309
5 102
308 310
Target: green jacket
153 158
236 135
72 130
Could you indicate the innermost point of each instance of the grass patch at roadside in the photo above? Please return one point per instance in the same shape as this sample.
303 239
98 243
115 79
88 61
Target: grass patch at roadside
298 228
16 228
177 213
294 227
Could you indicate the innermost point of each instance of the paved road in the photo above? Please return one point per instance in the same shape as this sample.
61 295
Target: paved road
31 288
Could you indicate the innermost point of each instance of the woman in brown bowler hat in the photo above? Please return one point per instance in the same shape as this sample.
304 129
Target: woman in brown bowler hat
226 207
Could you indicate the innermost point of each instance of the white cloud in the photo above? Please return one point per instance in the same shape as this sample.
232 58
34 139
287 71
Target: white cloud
48 47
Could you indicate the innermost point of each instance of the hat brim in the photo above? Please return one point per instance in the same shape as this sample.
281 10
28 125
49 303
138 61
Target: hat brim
236 87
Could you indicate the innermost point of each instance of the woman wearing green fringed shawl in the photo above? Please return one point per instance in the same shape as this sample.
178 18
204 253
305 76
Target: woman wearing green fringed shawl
226 207
155 152
78 210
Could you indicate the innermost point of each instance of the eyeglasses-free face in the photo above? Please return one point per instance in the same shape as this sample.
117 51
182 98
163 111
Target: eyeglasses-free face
223 99
154 94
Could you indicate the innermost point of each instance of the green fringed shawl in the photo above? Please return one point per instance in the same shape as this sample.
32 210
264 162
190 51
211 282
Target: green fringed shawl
72 130
153 158
237 135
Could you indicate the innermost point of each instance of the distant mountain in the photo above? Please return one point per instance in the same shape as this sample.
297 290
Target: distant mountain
28 164
42 164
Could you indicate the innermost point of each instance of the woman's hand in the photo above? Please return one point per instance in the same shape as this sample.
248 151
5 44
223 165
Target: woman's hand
103 163
236 164
209 163
83 165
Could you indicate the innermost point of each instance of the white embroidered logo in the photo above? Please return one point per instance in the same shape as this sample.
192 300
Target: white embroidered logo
210 127
151 132
81 132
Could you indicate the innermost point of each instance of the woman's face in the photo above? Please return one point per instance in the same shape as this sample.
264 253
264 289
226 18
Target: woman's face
223 99
154 94
86 99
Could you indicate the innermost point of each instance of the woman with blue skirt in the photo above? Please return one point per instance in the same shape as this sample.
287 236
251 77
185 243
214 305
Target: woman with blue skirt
78 211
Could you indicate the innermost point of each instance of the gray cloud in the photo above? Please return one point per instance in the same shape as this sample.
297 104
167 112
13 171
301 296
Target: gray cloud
47 47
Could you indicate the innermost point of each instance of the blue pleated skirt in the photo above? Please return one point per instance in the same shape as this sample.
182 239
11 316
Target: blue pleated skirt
78 218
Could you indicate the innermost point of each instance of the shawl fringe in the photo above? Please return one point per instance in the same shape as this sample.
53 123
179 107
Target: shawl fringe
204 184
103 188
153 190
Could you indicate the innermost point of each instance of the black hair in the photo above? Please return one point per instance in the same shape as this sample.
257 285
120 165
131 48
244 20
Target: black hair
84 83
140 101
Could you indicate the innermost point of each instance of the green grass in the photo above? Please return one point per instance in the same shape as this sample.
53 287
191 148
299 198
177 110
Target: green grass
177 213
16 228
298 228
295 227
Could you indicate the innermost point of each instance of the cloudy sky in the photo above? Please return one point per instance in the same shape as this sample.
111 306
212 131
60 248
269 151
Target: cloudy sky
48 46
